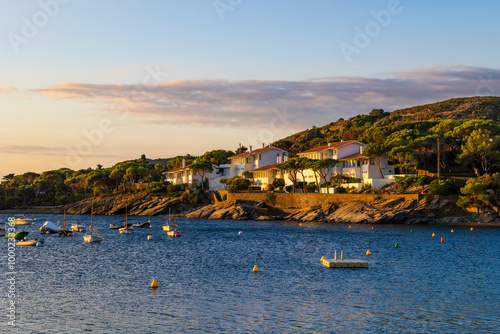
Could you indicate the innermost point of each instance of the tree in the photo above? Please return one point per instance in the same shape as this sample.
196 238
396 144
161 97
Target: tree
376 152
474 194
201 167
8 177
480 148
303 164
323 168
217 157
291 167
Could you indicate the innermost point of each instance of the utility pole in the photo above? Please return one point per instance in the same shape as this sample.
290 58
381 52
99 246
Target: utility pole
439 164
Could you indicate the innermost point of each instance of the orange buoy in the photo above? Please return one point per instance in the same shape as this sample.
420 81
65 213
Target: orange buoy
154 285
442 240
255 269
373 227
452 231
368 252
472 229
433 235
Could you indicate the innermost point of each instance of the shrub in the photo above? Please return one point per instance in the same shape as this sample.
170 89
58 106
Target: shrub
367 188
311 187
288 188
254 188
270 199
279 183
440 187
474 193
422 180
404 182
240 184
156 187
341 190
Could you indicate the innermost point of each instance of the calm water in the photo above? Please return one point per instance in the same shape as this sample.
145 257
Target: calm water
206 282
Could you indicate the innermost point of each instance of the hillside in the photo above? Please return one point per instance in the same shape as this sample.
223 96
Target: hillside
483 108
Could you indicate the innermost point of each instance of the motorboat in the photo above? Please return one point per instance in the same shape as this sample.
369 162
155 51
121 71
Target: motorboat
22 220
171 227
78 227
34 242
49 227
92 235
119 226
142 225
18 235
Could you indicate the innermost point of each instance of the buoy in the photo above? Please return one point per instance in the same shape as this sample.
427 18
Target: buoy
349 226
411 231
300 224
373 227
150 237
368 252
149 221
396 245
433 235
255 269
472 229
335 257
452 231
154 285
322 258
341 254
442 240
240 233
38 244
34 218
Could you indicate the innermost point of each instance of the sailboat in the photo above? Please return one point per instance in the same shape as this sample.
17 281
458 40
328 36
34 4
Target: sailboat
171 227
92 235
126 229
64 232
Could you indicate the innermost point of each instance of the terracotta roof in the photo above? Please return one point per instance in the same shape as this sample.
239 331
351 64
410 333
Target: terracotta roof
264 168
324 147
178 169
259 150
352 156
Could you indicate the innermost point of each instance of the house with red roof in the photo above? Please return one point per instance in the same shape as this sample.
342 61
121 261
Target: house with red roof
254 159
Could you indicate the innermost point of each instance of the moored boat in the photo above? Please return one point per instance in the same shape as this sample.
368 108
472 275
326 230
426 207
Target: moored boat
126 229
33 242
22 220
142 225
18 235
49 227
64 232
78 227
93 235
171 227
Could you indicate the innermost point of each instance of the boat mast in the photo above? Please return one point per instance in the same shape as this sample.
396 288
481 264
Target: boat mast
91 216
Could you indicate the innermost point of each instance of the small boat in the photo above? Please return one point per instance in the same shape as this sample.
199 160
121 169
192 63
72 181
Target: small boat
34 242
119 226
17 235
64 232
49 227
171 227
142 225
78 227
126 229
22 220
92 235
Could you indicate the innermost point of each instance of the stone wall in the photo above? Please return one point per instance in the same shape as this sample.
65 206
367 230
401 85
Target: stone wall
298 201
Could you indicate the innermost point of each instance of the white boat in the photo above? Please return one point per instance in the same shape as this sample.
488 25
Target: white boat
34 242
22 220
92 235
126 229
49 227
78 227
171 227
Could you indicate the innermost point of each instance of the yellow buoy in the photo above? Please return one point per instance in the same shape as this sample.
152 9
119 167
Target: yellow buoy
368 252
335 257
322 258
452 231
433 235
255 269
154 285
341 254
472 229
34 218
349 226
240 233
150 237
300 224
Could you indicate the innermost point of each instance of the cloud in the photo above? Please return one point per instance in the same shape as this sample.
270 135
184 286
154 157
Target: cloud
4 88
252 103
44 150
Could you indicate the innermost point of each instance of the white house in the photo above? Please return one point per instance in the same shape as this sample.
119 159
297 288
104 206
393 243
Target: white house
254 159
185 175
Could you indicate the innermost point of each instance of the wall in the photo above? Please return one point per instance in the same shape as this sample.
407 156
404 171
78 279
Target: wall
288 201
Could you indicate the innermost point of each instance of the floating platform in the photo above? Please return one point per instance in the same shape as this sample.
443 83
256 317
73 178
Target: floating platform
333 263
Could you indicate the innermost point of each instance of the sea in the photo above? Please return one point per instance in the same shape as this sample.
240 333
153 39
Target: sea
415 282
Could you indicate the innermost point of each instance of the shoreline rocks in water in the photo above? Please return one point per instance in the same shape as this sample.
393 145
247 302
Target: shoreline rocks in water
374 210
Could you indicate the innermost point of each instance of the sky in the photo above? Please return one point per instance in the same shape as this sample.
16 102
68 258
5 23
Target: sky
87 82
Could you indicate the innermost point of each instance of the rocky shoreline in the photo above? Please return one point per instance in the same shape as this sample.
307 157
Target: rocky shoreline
397 210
